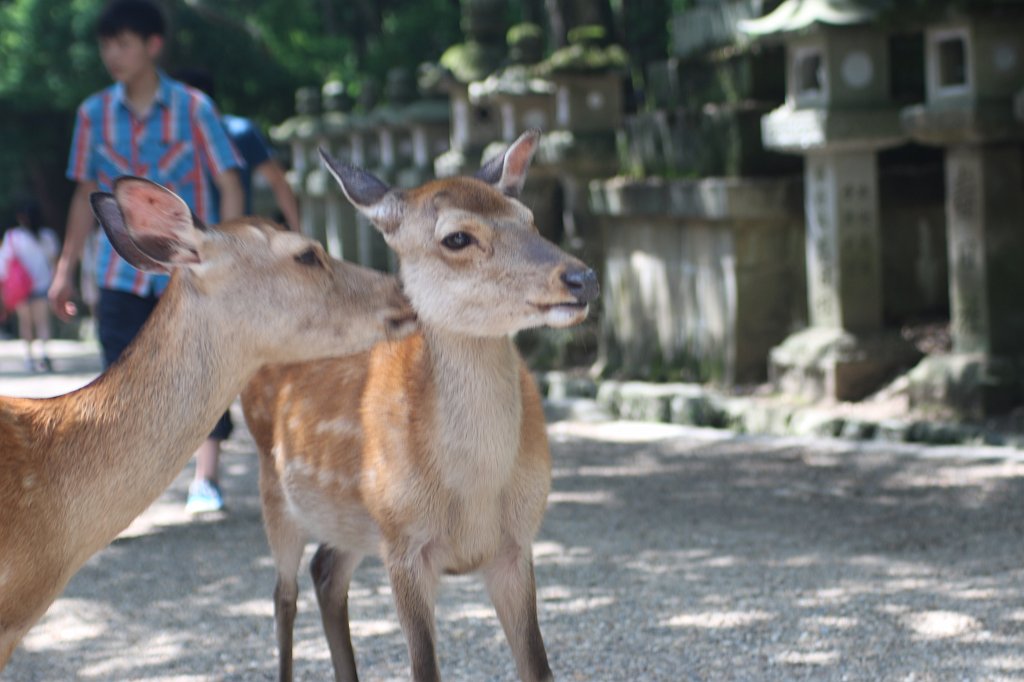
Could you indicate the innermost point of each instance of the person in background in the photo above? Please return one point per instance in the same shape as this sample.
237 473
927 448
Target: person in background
148 125
255 152
36 248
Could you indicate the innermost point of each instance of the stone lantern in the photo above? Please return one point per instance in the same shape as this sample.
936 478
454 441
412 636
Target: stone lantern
523 99
838 115
473 126
974 70
589 79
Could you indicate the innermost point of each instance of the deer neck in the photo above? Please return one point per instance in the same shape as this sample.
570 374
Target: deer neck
150 410
478 399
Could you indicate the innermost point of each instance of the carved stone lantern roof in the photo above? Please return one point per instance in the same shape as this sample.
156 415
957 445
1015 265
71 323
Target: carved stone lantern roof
974 66
517 79
799 15
837 76
585 53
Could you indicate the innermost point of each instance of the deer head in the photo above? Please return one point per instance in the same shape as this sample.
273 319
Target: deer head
282 295
471 257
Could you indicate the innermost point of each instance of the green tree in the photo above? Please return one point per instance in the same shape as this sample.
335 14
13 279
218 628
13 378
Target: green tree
258 54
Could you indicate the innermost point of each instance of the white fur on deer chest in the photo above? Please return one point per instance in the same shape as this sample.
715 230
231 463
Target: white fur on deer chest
475 448
479 419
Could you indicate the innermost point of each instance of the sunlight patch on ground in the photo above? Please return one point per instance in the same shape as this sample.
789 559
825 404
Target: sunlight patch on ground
941 624
371 628
829 622
716 620
471 612
260 608
158 650
808 658
580 605
600 497
1006 663
632 432
75 620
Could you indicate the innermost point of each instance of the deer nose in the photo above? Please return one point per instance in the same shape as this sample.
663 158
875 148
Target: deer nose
582 284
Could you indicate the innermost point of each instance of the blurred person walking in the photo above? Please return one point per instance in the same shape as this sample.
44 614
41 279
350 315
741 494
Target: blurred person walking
149 125
28 251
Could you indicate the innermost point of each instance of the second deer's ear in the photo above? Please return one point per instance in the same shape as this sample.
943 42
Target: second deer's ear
507 172
366 192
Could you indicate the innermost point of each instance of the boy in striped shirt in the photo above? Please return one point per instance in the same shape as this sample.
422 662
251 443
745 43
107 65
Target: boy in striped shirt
151 126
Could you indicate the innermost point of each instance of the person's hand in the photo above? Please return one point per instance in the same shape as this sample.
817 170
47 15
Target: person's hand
61 294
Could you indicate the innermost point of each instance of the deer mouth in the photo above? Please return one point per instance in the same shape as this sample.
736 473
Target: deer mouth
566 305
564 314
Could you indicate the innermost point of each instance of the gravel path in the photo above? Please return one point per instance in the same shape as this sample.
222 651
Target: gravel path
666 554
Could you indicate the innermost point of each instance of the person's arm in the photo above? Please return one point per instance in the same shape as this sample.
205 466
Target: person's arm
274 175
232 197
80 222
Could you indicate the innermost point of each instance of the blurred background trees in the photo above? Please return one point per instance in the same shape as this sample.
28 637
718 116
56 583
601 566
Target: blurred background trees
258 53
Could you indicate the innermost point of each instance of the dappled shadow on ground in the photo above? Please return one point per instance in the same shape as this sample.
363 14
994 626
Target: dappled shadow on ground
768 559
700 556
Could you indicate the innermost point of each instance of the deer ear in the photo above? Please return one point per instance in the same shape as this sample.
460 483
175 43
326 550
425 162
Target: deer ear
507 172
150 227
105 207
374 199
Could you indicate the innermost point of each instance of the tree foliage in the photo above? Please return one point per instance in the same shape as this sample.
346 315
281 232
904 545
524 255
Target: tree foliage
258 53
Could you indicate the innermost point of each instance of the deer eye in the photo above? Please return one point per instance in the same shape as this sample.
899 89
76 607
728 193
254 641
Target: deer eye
457 241
308 257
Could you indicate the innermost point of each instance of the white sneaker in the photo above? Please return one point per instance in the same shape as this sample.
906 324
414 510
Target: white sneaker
204 496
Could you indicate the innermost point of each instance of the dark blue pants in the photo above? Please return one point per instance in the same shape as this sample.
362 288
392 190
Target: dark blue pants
119 317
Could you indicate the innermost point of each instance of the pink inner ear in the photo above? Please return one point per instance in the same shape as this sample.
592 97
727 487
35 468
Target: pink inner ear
150 210
517 162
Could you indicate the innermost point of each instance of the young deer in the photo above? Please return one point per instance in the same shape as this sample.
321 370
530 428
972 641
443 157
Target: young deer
76 469
433 448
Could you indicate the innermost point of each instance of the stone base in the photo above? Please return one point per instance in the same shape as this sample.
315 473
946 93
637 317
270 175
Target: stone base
821 363
973 385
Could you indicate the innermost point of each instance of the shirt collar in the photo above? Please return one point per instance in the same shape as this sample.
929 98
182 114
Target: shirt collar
163 90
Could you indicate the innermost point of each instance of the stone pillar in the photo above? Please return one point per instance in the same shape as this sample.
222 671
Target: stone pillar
974 67
984 209
844 278
845 353
838 114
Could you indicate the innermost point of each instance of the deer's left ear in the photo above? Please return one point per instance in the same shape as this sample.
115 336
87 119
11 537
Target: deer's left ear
374 199
507 172
150 227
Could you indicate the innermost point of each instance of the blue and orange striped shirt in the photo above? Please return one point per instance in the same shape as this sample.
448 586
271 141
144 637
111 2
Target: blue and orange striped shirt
181 144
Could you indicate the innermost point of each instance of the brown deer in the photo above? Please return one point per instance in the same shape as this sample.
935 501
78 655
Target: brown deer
76 469
433 448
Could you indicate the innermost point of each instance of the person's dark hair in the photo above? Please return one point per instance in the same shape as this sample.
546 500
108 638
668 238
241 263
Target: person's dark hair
201 79
28 215
138 16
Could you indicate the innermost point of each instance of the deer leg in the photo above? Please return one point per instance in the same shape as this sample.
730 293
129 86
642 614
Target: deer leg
8 640
513 591
332 572
286 593
286 544
414 585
